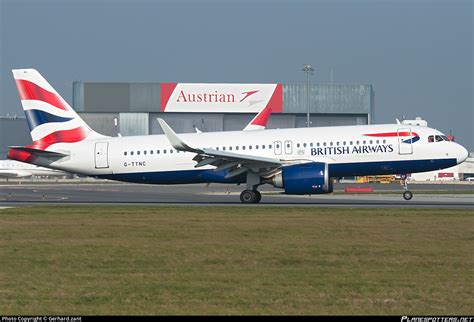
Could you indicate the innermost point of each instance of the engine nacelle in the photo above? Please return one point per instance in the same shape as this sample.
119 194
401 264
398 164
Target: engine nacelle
304 179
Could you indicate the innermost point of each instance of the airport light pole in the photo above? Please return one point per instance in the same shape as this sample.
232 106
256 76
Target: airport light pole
309 71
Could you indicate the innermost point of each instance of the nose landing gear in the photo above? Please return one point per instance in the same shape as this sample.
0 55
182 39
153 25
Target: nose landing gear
407 194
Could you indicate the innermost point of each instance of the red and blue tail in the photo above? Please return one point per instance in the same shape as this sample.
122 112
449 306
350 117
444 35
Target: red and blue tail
50 118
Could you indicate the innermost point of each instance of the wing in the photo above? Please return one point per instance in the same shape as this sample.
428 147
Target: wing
236 163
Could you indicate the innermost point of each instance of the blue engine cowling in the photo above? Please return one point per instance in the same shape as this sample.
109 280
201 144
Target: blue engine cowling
304 179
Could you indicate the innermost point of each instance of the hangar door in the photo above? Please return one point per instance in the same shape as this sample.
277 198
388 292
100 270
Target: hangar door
101 160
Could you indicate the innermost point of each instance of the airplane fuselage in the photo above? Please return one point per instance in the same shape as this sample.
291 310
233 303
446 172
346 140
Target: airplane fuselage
348 151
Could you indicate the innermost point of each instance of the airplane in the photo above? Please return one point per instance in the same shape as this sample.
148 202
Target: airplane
301 161
15 169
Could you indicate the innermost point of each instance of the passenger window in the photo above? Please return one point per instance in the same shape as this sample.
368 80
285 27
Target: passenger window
230 148
377 141
311 144
337 143
138 152
357 142
250 147
324 144
317 144
164 151
304 145
344 143
171 150
269 146
157 151
263 146
131 153
297 145
223 148
237 148
151 151
125 153
371 141
330 143
243 147
384 141
256 147
144 152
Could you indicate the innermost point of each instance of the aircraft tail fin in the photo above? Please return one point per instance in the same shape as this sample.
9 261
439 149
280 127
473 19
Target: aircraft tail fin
50 118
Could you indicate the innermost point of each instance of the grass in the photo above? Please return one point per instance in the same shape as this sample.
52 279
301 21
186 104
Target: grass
235 260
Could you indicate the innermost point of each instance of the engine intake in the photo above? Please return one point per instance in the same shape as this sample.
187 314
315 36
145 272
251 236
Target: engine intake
304 179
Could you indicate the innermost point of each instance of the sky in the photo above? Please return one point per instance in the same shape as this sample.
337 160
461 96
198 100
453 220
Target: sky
417 54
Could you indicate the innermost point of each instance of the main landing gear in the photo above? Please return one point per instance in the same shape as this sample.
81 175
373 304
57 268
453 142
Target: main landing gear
407 194
250 196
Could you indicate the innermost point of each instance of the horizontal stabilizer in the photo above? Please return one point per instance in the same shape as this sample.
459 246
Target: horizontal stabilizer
39 153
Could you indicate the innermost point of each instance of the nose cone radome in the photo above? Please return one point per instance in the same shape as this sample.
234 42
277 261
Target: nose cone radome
462 154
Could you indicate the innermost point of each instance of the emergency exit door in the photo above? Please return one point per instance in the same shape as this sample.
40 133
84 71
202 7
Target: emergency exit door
101 151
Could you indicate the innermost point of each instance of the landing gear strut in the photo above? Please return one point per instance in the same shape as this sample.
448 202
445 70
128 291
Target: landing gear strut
407 194
250 196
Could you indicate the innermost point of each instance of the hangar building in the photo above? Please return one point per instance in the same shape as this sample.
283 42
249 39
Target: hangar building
132 108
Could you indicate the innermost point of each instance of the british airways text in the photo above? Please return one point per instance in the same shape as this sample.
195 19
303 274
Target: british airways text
363 149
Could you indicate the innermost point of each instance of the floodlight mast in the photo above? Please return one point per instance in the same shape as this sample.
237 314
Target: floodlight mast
309 71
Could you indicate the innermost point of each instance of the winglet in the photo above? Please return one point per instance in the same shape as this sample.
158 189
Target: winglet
175 141
259 122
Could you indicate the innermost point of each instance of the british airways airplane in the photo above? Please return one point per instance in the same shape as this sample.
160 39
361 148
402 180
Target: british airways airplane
300 161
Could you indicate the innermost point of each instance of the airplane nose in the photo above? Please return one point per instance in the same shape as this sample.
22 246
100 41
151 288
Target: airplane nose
462 154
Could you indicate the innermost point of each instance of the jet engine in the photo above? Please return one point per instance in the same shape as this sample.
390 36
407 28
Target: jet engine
303 179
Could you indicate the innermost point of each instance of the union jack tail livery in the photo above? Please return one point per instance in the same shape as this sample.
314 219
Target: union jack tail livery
50 118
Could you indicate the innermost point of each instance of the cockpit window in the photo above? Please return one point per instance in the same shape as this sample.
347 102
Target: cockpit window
437 138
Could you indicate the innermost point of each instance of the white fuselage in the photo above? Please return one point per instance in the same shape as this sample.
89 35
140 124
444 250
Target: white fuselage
349 151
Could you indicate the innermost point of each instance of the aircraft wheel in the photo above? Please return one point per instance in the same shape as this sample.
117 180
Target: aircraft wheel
407 195
258 196
250 196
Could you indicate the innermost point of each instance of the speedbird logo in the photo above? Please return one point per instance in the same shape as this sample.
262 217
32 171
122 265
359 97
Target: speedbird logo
412 136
